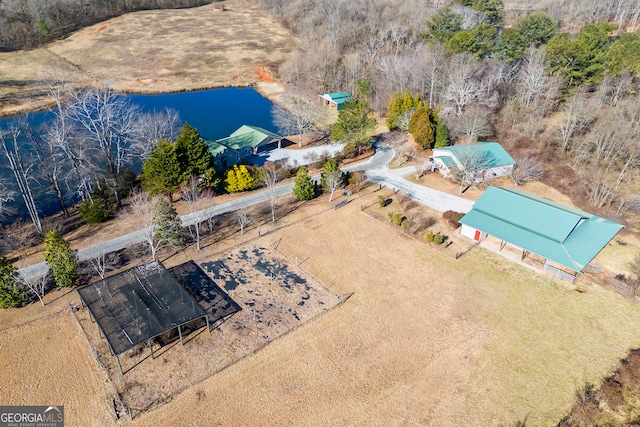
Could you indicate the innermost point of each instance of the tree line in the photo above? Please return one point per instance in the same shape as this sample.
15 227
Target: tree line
26 24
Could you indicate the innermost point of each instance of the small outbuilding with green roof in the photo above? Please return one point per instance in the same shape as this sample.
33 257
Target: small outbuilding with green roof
562 235
336 99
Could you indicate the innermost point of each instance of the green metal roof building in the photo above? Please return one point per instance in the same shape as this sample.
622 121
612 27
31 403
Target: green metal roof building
489 157
560 234
245 141
337 99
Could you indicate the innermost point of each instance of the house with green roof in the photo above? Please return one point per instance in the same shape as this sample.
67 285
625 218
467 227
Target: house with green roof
484 159
568 239
336 99
244 142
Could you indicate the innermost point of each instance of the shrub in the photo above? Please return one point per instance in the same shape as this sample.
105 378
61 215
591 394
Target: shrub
382 201
436 238
96 211
453 218
397 219
405 224
61 260
11 289
390 215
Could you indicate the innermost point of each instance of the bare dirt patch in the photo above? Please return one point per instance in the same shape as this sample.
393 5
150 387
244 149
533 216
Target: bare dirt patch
153 51
274 297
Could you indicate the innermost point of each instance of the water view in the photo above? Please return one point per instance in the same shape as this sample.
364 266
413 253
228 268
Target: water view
216 113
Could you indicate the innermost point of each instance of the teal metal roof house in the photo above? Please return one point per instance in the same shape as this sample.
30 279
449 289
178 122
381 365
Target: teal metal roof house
560 234
487 158
245 141
336 99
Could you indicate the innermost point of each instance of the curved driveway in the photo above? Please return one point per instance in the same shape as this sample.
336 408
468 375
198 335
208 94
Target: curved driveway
377 171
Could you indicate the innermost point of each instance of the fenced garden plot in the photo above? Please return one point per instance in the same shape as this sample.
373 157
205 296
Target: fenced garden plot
256 297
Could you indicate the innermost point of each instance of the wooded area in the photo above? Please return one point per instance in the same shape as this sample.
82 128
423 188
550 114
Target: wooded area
546 80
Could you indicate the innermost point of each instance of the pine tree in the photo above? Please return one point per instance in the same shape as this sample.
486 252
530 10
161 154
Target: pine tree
354 125
303 187
421 126
442 132
193 155
161 171
168 225
61 260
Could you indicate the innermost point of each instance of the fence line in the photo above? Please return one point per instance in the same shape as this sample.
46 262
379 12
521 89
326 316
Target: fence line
116 396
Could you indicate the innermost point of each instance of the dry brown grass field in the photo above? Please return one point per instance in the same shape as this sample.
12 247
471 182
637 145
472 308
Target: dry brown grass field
152 51
424 339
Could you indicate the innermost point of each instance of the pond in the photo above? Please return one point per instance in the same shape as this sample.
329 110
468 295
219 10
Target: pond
215 113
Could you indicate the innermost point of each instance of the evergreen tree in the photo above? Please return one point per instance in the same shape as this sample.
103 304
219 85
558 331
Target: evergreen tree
421 126
511 44
11 288
193 155
623 56
401 104
442 132
167 225
443 25
161 172
354 125
581 59
303 187
61 260
330 166
97 209
536 28
491 11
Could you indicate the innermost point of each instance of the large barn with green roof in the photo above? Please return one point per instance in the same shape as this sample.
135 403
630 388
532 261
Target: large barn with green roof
567 238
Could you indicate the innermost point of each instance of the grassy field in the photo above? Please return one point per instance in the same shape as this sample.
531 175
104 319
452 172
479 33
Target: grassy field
424 339
152 51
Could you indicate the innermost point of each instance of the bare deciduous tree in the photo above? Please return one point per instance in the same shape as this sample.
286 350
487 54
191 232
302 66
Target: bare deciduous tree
192 195
104 262
244 217
527 168
472 124
333 181
298 117
151 128
23 173
270 178
143 212
634 268
474 163
422 166
574 118
358 178
109 122
463 86
38 286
